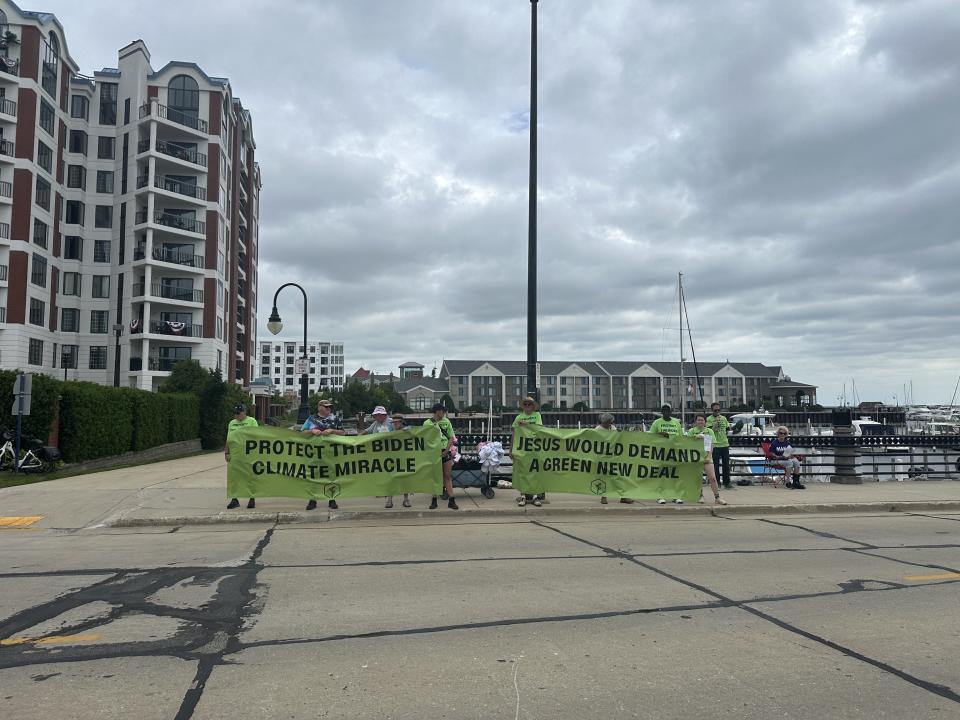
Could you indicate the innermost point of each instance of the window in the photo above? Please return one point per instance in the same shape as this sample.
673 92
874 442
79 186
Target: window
98 357
101 286
98 321
69 320
37 311
44 156
77 177
78 142
40 230
126 111
183 95
101 251
43 193
106 147
72 247
108 103
35 353
74 213
79 107
48 118
71 283
104 181
103 217
51 64
38 272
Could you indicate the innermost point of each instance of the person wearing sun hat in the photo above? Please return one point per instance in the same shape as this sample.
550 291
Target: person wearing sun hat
381 424
529 415
240 420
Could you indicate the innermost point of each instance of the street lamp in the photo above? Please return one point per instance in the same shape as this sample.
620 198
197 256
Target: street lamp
118 331
275 325
532 389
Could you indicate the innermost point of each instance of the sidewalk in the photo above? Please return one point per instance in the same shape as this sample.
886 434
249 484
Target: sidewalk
192 491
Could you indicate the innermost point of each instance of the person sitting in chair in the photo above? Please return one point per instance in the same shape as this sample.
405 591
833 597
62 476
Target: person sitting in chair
781 452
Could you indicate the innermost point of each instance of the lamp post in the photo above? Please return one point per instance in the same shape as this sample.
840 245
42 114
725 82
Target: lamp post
117 331
532 388
275 325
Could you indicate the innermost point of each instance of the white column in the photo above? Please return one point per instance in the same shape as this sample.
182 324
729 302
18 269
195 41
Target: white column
629 392
713 390
663 395
469 389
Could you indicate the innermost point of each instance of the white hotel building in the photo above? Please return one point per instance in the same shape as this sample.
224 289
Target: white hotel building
278 362
129 205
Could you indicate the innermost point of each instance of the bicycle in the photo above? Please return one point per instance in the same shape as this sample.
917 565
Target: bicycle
8 454
35 459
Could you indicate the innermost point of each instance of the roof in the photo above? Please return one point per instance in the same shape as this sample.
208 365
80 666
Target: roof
605 367
517 367
361 373
190 66
790 384
432 384
411 364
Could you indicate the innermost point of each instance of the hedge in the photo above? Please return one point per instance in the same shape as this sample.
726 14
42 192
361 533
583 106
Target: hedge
42 404
183 416
95 421
150 427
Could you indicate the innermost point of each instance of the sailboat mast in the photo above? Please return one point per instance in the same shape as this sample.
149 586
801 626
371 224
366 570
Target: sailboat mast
683 387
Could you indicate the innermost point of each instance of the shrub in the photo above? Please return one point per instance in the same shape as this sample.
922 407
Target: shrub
44 393
183 416
149 418
95 421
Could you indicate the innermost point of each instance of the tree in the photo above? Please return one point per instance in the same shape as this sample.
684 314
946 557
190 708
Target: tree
580 407
546 407
217 399
448 403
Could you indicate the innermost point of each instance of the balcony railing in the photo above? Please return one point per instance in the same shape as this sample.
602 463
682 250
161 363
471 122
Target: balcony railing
178 222
175 151
165 327
6 189
154 363
176 116
142 181
3 272
181 188
8 107
6 148
4 231
172 292
11 67
170 256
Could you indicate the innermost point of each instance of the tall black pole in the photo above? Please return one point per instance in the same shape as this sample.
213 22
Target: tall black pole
118 331
304 411
532 388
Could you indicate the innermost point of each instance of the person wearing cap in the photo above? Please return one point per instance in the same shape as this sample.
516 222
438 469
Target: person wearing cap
323 423
667 426
529 415
443 424
382 424
240 419
606 423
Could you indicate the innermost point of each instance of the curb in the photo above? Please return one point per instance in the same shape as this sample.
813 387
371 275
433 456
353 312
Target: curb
522 514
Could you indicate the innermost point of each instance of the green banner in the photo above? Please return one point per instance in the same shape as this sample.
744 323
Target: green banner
273 462
638 465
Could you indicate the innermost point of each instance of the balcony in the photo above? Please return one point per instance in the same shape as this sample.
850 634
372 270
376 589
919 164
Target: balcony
3 273
8 107
6 189
155 364
174 116
6 148
175 151
4 231
177 222
9 66
180 188
165 327
170 256
170 292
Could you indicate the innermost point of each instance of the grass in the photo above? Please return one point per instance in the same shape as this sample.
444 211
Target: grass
9 479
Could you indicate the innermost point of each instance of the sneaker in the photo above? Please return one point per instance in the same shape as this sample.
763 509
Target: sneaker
234 503
522 501
389 503
312 505
433 503
603 500
251 504
537 502
332 504
661 501
700 500
797 485
677 501
406 501
719 501
452 504
744 483
444 496
627 501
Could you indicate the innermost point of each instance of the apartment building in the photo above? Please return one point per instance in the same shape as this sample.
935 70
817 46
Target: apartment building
129 206
623 385
278 361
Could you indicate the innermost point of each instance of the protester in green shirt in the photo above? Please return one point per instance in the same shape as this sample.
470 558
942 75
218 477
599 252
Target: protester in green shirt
440 421
529 415
666 425
721 445
606 423
240 420
701 430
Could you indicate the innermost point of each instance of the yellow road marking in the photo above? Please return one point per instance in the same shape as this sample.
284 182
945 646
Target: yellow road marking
22 521
52 640
941 576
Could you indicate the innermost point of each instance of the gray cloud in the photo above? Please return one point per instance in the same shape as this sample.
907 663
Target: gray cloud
799 162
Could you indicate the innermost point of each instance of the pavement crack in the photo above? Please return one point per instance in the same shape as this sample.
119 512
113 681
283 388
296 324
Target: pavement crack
818 533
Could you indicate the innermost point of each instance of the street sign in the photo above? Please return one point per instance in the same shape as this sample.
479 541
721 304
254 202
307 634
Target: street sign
23 384
301 366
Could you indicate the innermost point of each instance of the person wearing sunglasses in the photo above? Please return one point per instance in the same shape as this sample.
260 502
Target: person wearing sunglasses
781 452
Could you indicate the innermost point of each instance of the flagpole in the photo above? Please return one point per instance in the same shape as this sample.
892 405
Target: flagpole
683 386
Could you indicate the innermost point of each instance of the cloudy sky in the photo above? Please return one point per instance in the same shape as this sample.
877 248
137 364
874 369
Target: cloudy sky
799 162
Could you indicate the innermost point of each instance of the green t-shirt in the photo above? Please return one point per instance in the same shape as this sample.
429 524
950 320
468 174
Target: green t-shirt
719 426
246 422
446 429
694 431
671 426
527 419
